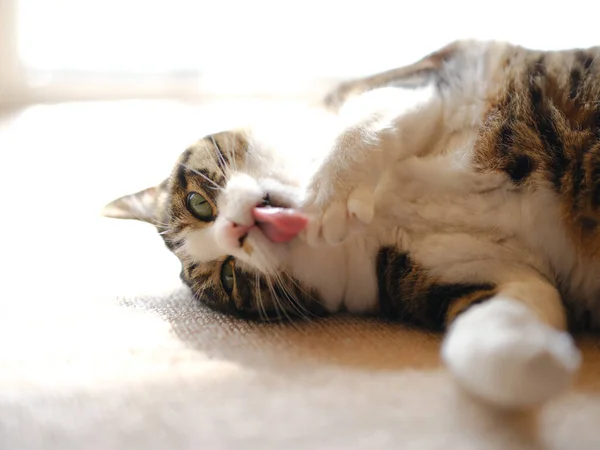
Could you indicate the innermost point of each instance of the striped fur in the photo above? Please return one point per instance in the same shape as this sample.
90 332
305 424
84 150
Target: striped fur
407 292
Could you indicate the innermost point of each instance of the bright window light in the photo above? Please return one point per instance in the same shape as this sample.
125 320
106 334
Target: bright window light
307 38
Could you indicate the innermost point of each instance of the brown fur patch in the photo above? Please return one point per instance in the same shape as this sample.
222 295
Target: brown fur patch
543 129
409 293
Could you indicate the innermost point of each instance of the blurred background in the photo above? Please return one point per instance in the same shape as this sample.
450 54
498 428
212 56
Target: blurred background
62 50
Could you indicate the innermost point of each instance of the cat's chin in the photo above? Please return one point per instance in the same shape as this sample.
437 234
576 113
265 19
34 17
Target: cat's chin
260 253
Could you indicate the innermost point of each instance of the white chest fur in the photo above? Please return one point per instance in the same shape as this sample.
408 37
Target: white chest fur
344 275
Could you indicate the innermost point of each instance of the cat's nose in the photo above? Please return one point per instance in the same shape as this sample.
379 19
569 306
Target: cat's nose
237 231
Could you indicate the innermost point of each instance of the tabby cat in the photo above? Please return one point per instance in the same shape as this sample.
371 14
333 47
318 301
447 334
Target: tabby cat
460 193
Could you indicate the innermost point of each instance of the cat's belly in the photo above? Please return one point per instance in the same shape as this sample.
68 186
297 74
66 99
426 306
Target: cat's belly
343 275
484 237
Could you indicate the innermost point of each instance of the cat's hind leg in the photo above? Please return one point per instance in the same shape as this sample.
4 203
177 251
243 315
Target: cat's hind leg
511 350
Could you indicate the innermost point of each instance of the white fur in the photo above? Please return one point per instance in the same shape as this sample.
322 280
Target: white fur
500 352
202 245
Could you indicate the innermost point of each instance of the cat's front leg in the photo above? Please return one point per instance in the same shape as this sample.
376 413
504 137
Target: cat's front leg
512 350
340 197
377 130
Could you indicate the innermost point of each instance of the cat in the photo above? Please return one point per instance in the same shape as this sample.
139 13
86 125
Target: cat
459 193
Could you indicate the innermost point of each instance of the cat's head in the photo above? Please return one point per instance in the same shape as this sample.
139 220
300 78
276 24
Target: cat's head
230 211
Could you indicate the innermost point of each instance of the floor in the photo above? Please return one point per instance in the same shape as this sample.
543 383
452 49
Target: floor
100 346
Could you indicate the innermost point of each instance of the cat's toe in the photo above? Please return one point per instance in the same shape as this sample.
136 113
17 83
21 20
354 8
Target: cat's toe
501 353
330 227
361 204
335 223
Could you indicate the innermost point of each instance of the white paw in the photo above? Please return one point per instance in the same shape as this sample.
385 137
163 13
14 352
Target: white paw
345 213
500 352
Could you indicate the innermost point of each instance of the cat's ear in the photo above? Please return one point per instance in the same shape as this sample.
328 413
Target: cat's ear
143 205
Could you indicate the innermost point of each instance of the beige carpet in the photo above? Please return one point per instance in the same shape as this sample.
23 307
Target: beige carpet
100 347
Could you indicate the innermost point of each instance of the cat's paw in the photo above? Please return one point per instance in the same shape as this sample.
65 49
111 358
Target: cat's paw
333 218
501 353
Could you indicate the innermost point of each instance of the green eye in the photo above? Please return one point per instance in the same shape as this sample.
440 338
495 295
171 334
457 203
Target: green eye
227 276
199 207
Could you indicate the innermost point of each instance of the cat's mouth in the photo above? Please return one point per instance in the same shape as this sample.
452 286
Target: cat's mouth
279 225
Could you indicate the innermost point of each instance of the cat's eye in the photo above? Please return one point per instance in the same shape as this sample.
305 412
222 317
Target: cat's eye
228 276
199 207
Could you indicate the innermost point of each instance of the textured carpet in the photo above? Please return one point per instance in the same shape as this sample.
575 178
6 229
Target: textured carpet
101 348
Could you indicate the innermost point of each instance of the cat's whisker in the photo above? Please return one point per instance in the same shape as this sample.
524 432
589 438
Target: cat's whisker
198 289
295 283
260 255
304 312
168 228
231 151
151 221
155 222
277 300
292 299
221 163
262 313
200 174
191 301
258 296
278 306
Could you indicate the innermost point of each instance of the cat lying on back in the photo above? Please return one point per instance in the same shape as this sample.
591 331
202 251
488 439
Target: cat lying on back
459 193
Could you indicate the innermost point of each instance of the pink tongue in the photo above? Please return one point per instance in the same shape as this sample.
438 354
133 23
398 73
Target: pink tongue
280 224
